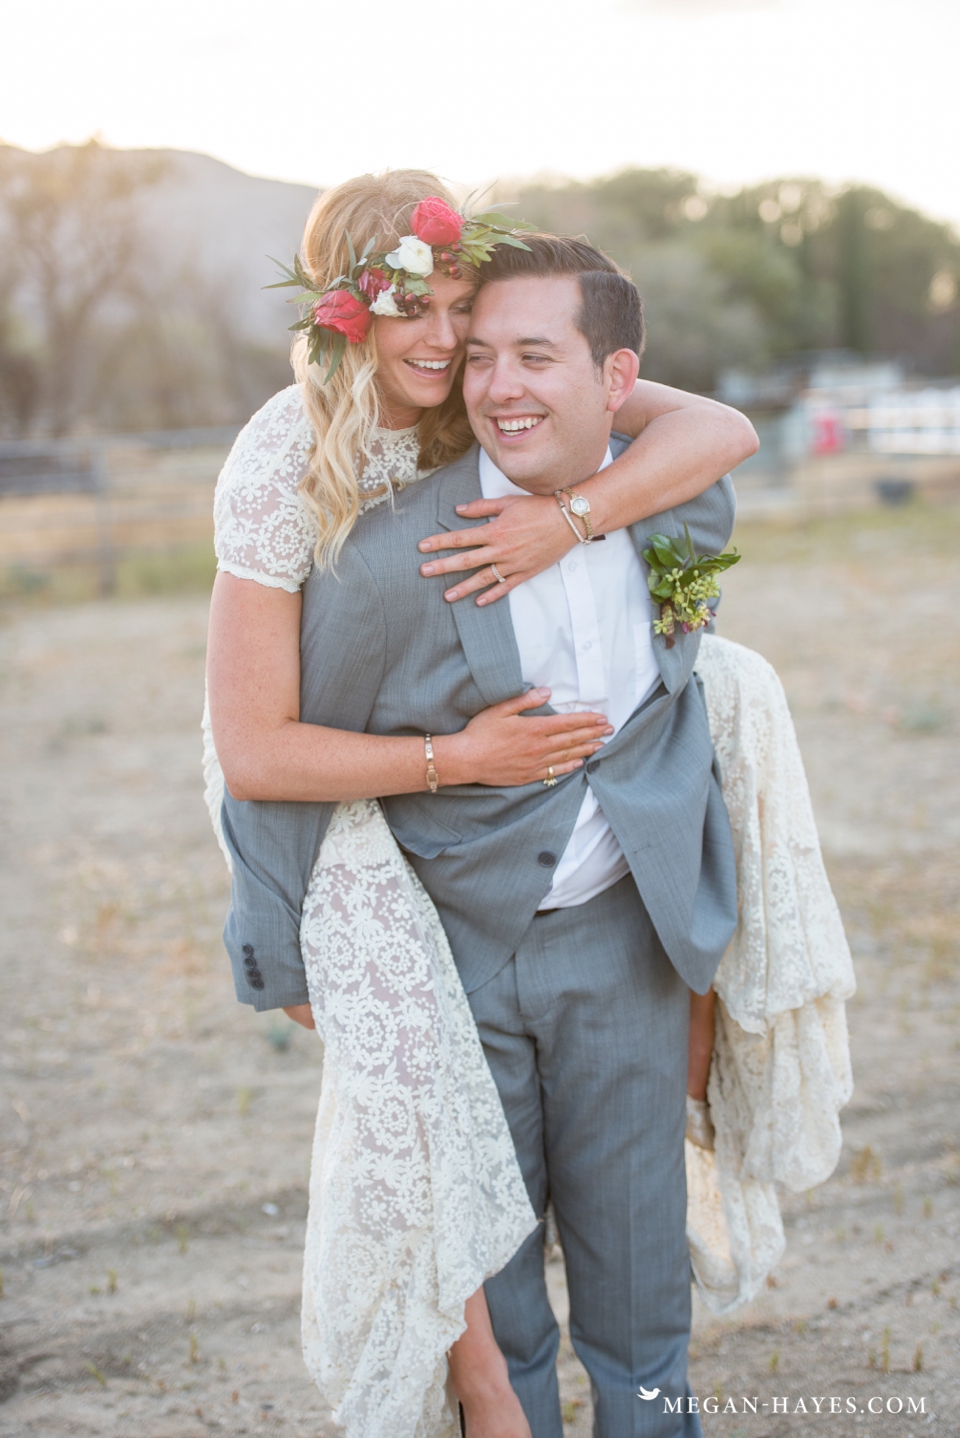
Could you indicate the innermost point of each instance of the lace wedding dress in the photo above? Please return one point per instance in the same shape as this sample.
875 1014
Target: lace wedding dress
415 1193
781 1059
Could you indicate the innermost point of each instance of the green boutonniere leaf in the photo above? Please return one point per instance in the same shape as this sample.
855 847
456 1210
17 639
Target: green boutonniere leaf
684 582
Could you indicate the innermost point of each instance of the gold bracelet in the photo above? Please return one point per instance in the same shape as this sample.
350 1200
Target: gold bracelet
581 508
433 778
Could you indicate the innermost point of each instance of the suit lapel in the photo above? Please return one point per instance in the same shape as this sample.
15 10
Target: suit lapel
486 634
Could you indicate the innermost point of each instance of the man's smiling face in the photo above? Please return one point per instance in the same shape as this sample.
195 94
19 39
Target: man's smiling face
536 401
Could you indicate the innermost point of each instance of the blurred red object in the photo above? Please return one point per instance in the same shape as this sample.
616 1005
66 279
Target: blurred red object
828 435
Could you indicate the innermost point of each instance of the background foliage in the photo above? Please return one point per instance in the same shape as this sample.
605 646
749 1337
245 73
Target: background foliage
770 272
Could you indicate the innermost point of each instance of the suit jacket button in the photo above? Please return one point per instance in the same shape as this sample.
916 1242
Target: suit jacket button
257 983
249 962
593 766
546 860
248 950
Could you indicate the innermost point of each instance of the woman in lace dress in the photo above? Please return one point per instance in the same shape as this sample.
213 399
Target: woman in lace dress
416 1197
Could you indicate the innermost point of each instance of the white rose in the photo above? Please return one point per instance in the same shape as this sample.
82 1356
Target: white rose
385 304
413 255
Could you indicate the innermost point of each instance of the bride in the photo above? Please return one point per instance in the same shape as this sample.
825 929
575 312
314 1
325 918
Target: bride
415 1193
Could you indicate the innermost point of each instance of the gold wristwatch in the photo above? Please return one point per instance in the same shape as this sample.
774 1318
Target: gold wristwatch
580 506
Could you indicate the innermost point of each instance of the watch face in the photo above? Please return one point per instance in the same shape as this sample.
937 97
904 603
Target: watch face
579 505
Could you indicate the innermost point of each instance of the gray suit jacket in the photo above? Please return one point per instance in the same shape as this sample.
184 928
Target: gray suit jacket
383 652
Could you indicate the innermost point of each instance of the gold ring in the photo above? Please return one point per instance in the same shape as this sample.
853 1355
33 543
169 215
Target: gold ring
500 578
551 779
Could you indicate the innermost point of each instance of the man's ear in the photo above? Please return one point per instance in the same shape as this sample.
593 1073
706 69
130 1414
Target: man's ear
620 372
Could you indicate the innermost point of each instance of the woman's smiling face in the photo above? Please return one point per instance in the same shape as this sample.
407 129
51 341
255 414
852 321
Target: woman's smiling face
417 359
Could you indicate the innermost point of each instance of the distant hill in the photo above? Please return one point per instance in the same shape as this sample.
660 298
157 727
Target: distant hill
131 289
227 223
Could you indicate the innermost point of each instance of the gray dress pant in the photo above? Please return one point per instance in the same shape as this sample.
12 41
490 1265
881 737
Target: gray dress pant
585 1030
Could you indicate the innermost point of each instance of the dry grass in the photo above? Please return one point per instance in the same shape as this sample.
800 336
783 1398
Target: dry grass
148 1118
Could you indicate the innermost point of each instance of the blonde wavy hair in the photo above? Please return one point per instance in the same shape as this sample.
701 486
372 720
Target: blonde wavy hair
345 411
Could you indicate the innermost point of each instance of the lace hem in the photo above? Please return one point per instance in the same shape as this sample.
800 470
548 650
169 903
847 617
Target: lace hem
270 581
415 1192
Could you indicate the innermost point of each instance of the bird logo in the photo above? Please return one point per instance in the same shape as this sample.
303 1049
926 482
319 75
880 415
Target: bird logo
648 1394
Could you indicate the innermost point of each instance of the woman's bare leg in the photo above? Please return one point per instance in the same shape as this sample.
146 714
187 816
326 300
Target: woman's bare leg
478 1372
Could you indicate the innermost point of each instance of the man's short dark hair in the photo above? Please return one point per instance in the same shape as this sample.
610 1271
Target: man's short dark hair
611 311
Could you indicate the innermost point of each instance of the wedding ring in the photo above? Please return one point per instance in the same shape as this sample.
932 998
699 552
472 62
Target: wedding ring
551 778
499 576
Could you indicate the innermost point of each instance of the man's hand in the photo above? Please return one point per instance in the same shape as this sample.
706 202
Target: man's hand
301 1014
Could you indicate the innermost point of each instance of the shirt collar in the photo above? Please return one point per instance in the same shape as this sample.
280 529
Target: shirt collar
495 484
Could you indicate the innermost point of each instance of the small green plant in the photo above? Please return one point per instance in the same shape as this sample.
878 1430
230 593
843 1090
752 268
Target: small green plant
927 1206
92 1369
774 1363
111 1280
194 1348
918 1359
865 1165
243 1100
898 1199
191 1309
885 1352
182 1236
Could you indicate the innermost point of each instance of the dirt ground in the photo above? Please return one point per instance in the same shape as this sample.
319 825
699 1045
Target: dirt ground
155 1135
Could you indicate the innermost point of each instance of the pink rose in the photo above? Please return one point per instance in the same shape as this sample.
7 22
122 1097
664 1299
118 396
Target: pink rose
341 311
372 282
435 223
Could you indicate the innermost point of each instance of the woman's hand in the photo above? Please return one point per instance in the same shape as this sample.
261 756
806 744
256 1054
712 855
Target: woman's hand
526 534
301 1014
502 748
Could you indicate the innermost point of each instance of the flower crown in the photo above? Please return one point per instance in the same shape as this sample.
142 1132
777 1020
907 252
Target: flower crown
393 283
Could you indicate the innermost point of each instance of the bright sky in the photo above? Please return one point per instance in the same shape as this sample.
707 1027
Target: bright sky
307 90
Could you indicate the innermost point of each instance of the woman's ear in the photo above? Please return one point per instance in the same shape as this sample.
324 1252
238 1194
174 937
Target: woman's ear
620 372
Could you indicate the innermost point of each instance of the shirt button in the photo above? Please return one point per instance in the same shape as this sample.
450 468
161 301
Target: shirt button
588 644
571 566
546 860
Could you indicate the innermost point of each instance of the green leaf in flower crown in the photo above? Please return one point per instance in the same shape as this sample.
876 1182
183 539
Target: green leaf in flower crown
291 279
336 355
495 220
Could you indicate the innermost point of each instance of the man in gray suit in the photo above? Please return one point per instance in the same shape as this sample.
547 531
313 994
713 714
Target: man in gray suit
580 911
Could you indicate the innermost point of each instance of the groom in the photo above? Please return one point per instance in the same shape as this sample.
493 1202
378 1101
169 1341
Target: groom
578 912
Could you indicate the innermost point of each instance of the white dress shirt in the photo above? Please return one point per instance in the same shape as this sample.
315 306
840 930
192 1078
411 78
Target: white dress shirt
583 628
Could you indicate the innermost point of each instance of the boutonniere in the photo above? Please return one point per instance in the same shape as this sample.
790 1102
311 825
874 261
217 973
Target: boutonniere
684 582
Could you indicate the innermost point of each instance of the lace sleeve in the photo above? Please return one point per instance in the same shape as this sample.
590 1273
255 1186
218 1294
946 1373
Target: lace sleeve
263 529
